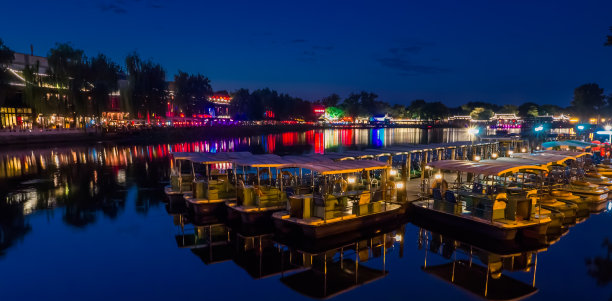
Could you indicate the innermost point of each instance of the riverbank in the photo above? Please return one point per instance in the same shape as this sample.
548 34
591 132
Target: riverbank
165 135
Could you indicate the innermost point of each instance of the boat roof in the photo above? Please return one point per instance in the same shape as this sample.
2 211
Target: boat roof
184 155
545 156
338 167
566 153
402 149
488 167
568 143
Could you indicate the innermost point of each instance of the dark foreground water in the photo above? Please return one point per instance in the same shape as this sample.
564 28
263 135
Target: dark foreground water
89 223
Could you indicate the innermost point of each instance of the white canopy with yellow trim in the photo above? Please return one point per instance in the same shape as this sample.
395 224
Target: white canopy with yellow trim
485 168
340 167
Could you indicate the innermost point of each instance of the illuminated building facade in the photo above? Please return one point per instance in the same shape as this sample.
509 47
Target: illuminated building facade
220 102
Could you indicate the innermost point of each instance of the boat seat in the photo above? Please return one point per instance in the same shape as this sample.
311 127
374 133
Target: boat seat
450 197
437 195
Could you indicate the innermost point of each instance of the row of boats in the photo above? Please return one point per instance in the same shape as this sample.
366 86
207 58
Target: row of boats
315 219
522 196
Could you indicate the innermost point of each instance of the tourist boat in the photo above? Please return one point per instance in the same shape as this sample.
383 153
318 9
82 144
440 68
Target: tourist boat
327 273
487 204
350 196
480 271
596 196
260 188
211 191
599 180
568 209
181 176
583 207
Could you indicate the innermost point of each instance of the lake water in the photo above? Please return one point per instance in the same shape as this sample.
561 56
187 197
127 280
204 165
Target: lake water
89 223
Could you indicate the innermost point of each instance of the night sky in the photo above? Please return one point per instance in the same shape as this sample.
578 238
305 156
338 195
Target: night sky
449 51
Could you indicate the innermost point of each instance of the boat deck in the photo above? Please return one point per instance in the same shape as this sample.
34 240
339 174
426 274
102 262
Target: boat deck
501 223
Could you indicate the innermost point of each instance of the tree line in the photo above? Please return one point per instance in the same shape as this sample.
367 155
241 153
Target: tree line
78 85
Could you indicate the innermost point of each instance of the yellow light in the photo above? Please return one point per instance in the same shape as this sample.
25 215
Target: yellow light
538 148
510 153
351 180
476 158
523 150
494 155
438 176
399 185
398 238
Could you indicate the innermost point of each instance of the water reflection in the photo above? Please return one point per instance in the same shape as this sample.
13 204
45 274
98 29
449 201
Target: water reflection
478 270
81 188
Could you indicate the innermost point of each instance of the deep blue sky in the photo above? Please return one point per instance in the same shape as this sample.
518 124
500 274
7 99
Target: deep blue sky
450 51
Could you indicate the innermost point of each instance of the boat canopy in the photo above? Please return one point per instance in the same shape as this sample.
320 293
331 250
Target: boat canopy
566 153
185 155
546 158
490 167
568 143
397 150
339 167
265 160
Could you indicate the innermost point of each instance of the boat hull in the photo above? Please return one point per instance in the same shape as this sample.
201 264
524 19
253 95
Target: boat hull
464 224
204 207
362 223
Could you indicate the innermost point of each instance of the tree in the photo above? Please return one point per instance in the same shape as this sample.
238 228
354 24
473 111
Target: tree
508 109
528 109
68 70
588 99
550 110
334 112
6 58
331 101
434 111
147 86
480 113
191 92
103 76
33 93
415 109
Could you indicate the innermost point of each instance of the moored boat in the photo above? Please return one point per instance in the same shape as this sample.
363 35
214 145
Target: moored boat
596 196
359 201
489 205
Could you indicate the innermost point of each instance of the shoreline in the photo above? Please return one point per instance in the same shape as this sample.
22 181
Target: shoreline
168 135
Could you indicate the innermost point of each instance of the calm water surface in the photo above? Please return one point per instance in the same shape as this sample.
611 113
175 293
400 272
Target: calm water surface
89 223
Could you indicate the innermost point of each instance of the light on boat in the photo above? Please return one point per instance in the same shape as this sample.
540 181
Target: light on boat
523 150
510 153
438 176
494 155
477 158
351 180
398 238
538 148
393 172
399 185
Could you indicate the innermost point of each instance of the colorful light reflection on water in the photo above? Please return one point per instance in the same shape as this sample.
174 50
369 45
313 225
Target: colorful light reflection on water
87 222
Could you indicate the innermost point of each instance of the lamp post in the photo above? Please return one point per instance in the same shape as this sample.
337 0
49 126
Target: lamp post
608 128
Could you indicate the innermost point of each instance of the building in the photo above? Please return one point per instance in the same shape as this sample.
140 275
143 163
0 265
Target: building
220 102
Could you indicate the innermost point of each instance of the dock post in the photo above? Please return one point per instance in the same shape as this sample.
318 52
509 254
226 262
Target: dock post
408 163
453 153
